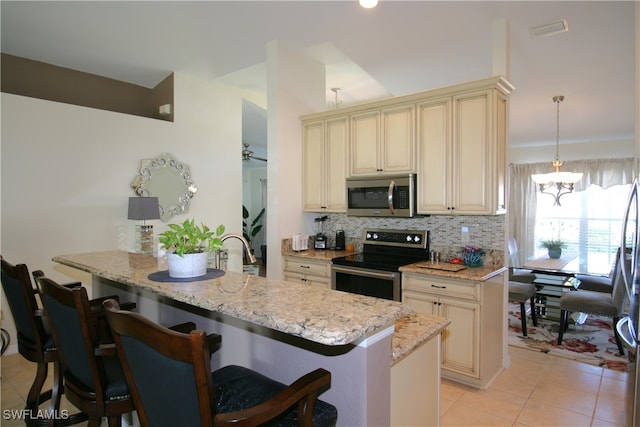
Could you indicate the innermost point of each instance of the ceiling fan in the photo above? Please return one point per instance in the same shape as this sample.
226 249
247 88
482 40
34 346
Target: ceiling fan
248 154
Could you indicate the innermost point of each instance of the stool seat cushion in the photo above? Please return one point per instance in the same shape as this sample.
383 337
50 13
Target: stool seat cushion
239 388
521 292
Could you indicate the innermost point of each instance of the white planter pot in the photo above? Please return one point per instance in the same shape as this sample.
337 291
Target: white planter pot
189 265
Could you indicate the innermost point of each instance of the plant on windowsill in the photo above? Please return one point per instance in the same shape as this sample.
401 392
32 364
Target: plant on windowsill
554 247
188 245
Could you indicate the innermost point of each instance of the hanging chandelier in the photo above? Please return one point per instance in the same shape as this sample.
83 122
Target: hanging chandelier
557 183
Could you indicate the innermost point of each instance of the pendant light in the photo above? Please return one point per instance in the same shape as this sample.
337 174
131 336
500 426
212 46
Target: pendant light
557 183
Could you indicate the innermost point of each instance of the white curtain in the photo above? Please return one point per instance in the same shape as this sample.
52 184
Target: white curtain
522 201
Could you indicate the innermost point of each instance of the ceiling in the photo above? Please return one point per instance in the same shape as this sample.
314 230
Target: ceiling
399 47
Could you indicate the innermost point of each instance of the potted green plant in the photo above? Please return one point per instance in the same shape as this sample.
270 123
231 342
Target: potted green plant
554 247
188 245
249 231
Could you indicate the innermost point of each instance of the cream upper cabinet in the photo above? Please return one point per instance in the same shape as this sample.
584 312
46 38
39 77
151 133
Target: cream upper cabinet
461 154
434 155
383 141
325 164
454 139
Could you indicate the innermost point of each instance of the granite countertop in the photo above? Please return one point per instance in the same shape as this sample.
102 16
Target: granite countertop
311 253
321 315
478 274
413 330
325 255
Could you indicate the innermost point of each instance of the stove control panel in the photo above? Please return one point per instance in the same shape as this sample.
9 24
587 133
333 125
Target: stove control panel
403 238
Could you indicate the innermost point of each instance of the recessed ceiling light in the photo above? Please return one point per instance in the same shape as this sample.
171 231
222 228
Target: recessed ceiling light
545 30
368 4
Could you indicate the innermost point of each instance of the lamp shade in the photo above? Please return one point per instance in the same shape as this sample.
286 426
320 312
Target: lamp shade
557 177
144 208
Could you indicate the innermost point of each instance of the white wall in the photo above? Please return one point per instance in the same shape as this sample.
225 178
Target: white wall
66 173
295 86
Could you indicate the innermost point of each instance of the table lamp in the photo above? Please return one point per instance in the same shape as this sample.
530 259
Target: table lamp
143 208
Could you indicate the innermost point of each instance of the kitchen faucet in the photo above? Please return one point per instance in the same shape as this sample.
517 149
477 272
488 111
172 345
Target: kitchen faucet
252 257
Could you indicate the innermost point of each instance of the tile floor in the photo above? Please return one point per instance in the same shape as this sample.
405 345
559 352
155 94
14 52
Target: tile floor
536 390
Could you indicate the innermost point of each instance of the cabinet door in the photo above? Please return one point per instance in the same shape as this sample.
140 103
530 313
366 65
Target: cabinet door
434 141
335 153
460 340
365 138
398 141
313 167
319 282
420 302
499 199
471 159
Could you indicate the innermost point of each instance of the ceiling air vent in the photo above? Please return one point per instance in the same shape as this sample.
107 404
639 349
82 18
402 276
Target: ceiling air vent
551 29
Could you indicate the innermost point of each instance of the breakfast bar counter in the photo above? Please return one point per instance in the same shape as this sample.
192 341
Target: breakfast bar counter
284 330
319 315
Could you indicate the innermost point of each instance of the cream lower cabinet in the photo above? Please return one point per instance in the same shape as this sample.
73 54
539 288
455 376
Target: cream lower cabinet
473 344
324 169
461 153
308 271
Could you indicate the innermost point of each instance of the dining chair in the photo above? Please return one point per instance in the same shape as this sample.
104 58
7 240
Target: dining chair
522 292
35 344
170 378
94 381
608 304
521 287
599 283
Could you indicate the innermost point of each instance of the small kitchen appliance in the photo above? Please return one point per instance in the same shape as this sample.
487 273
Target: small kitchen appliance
320 239
300 242
340 240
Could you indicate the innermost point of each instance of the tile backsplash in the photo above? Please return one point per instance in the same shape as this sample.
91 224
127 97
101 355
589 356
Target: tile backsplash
487 232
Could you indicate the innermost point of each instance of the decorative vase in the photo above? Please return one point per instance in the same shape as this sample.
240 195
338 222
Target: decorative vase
554 253
472 256
188 265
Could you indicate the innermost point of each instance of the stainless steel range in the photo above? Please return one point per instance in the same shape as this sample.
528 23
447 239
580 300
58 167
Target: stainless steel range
375 271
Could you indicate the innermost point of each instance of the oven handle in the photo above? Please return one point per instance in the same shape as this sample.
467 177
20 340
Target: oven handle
392 185
363 272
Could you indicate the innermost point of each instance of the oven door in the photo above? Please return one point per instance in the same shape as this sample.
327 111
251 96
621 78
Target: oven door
364 281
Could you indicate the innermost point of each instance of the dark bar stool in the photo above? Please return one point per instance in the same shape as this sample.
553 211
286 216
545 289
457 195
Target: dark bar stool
172 384
35 343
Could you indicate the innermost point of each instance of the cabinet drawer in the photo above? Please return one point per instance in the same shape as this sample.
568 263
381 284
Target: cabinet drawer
304 266
305 279
439 286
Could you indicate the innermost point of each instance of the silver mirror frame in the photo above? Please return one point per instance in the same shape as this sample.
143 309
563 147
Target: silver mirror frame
169 180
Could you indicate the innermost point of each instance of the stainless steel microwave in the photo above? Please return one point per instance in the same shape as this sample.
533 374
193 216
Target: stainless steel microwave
380 195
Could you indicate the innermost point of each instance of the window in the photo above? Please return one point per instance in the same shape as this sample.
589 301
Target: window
589 221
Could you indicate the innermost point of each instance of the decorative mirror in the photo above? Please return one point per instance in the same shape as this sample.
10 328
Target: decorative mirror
169 180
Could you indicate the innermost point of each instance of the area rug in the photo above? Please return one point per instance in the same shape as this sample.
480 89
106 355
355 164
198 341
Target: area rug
592 342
